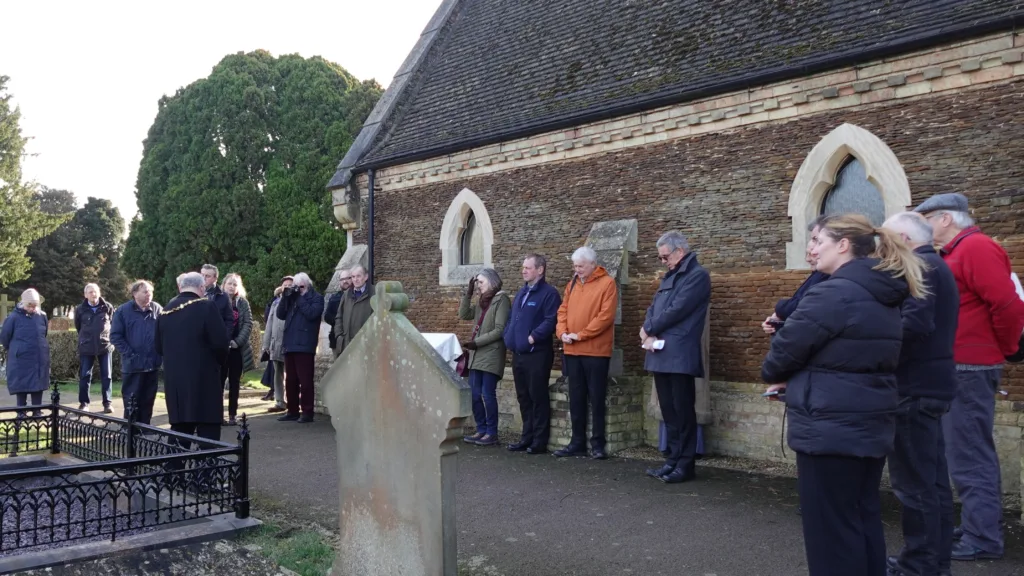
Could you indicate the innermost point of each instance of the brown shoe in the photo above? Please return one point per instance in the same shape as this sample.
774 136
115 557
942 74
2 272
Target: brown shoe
274 409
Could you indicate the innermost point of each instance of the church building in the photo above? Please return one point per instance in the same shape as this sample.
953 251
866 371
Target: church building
519 126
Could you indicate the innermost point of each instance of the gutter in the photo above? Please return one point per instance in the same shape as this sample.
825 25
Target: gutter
757 79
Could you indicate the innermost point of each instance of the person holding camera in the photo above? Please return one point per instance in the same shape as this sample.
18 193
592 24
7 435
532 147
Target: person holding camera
301 309
836 357
785 307
486 351
671 335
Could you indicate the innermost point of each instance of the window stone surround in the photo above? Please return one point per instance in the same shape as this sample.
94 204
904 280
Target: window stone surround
451 273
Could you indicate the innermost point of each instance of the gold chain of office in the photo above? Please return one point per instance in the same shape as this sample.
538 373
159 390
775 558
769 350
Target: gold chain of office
181 307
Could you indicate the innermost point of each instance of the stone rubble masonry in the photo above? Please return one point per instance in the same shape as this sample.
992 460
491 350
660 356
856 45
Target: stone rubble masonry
725 184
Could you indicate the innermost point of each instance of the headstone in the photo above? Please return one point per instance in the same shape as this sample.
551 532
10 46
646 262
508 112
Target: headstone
398 410
613 240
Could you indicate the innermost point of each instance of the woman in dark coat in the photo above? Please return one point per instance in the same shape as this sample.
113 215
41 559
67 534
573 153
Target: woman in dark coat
785 307
240 349
835 358
28 351
486 351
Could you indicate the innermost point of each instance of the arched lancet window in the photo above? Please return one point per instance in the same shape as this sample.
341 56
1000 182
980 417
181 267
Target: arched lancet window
854 193
471 245
849 170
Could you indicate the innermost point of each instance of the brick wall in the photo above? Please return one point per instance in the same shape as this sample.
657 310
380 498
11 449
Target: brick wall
728 191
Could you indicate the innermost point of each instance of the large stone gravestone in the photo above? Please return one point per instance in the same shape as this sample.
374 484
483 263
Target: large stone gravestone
398 410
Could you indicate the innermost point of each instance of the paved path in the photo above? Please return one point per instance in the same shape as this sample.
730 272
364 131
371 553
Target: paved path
522 515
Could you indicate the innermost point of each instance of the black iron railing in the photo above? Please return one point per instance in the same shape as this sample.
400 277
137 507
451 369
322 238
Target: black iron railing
125 476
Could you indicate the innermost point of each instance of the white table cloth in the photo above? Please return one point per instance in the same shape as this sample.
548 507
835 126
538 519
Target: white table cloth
446 344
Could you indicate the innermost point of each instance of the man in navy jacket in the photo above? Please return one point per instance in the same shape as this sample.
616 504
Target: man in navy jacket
529 335
133 333
926 377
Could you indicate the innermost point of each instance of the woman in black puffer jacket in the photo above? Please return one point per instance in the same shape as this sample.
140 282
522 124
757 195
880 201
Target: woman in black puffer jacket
836 357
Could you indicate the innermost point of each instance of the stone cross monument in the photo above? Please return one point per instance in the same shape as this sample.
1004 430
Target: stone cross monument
398 410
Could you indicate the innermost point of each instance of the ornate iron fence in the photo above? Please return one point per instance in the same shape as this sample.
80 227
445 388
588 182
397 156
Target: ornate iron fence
131 477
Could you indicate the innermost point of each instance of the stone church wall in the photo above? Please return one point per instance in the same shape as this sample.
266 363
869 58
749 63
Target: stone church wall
950 117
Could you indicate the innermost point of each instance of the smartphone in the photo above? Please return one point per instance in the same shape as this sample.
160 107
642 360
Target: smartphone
777 324
780 393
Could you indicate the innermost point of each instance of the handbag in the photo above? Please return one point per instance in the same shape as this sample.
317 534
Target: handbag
462 364
265 357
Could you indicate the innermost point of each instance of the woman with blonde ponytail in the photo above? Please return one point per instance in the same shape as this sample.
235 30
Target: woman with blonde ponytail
834 363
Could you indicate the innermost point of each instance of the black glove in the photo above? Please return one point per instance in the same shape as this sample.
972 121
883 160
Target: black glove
472 287
469 345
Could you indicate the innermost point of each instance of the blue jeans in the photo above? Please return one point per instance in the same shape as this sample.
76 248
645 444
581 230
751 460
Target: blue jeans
85 377
484 387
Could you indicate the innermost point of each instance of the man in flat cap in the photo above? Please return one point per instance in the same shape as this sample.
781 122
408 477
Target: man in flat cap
989 327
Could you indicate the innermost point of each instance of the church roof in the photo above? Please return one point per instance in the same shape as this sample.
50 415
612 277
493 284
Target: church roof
502 69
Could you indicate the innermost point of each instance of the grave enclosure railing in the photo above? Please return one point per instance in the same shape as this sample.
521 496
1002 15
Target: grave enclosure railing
121 475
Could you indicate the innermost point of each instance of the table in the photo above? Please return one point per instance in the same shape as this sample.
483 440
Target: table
446 344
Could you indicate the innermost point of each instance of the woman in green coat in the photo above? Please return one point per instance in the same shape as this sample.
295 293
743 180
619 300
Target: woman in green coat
240 358
486 351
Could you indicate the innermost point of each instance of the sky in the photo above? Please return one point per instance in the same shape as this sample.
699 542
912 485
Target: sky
87 76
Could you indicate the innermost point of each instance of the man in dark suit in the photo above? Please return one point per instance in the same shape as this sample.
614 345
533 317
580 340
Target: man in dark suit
190 337
926 378
671 334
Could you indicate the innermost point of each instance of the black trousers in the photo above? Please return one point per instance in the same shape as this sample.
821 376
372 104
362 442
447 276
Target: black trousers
234 365
143 385
201 429
532 372
920 479
842 515
677 396
588 380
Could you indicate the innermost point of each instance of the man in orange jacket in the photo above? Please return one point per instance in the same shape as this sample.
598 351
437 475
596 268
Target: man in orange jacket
586 325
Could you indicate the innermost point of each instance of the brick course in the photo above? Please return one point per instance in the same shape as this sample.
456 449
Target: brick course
728 191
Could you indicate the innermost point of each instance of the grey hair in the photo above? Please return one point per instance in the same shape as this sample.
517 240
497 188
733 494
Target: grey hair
211 268
817 223
914 225
191 281
584 254
31 296
91 285
355 267
674 240
960 219
491 275
302 279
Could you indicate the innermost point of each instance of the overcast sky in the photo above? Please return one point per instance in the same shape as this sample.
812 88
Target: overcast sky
87 75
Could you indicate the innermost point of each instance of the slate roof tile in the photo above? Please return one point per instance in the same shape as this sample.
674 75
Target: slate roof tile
504 67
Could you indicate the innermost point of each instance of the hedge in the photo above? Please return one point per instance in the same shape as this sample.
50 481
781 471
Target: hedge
64 362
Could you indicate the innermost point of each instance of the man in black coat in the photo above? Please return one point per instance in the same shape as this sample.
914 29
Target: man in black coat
191 339
92 321
217 296
334 303
927 383
671 334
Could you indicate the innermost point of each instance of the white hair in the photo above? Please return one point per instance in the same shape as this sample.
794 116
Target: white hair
960 219
674 240
914 225
584 254
302 279
191 281
30 296
91 285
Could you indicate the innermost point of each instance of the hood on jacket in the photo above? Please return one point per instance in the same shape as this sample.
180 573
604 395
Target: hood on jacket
598 272
883 286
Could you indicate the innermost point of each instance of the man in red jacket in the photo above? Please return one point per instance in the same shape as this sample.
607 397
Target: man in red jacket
988 329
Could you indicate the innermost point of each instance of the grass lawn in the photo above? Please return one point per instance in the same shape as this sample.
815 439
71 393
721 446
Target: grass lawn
306 552
251 379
